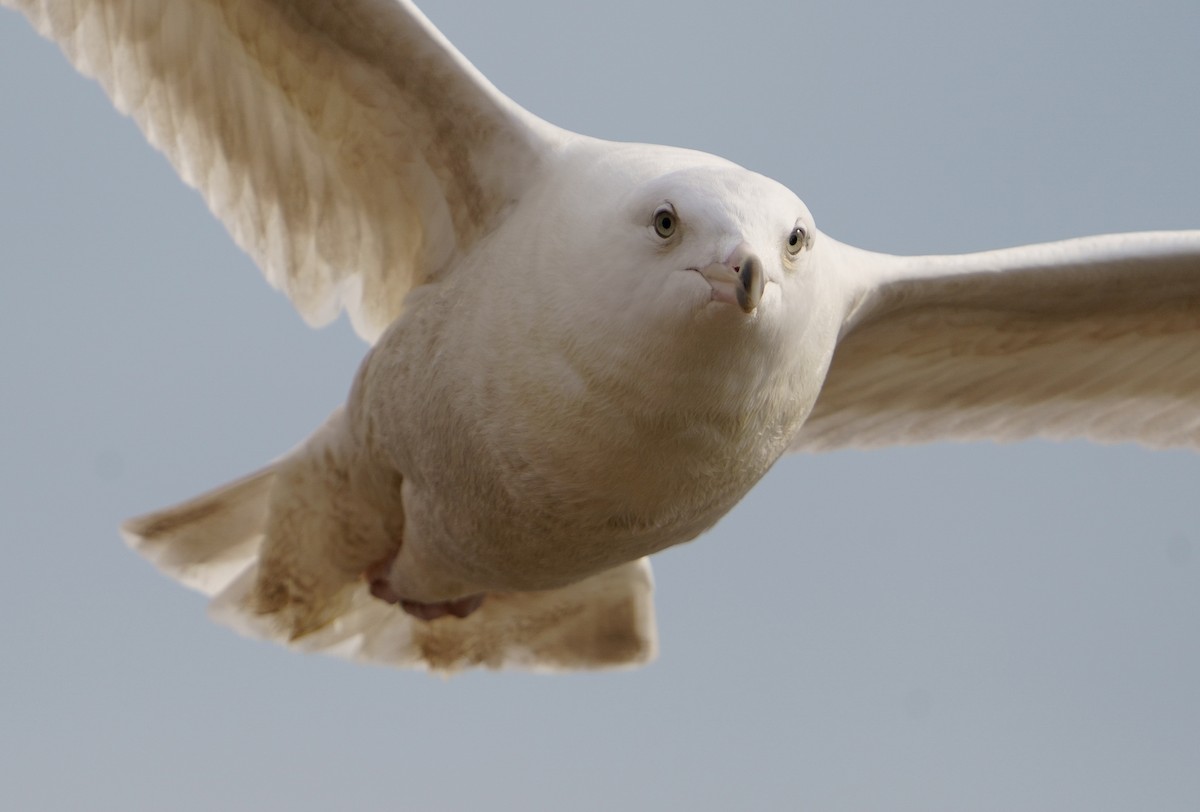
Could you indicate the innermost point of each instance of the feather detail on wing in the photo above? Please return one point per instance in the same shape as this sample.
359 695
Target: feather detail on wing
1096 338
347 147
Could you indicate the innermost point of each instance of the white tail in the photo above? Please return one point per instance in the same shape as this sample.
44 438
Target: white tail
211 543
206 542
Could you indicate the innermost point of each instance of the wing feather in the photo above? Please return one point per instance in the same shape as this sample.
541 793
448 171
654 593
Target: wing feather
347 147
1096 337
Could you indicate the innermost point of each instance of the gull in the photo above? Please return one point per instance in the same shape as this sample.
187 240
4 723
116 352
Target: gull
582 352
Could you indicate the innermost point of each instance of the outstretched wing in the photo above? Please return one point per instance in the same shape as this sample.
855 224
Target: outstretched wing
347 146
1096 337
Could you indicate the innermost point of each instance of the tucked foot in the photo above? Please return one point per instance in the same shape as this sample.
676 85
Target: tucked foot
432 611
381 588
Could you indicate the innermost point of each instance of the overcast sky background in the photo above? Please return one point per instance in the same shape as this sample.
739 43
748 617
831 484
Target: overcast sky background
941 628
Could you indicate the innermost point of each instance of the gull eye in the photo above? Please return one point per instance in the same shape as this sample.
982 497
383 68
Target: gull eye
796 240
665 221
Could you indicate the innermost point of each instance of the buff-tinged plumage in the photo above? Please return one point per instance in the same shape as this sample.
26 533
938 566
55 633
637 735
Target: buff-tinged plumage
563 381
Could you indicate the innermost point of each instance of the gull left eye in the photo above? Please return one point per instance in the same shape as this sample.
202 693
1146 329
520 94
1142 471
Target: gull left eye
665 221
796 240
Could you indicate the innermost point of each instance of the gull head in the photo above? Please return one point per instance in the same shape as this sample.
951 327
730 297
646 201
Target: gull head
676 240
648 263
723 238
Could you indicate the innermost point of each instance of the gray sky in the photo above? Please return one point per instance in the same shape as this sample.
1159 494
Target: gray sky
940 628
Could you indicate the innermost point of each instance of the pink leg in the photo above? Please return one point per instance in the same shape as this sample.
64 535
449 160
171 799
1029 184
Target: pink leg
381 588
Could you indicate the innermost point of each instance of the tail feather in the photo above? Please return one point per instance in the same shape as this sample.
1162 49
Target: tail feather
212 543
206 542
606 621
